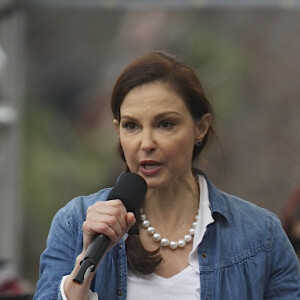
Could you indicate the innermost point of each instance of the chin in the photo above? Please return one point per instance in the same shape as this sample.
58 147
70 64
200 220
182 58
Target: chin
156 183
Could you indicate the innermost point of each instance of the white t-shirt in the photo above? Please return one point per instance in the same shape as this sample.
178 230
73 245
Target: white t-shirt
185 284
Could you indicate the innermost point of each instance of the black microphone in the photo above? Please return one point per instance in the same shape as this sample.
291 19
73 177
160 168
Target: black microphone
130 189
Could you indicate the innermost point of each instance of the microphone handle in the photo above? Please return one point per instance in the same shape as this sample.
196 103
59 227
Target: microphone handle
95 252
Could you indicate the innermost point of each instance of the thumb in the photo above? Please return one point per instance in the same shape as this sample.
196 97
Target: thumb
130 220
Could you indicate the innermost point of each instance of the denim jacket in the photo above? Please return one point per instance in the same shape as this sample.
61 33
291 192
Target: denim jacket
245 253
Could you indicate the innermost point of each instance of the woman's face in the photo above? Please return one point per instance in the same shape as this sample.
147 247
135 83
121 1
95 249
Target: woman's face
157 134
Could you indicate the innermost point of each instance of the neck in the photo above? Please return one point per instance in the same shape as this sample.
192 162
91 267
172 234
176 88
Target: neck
178 201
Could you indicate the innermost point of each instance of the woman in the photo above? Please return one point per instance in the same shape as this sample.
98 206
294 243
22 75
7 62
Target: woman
194 241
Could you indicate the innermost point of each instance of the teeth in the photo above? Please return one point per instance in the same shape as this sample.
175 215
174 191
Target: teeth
149 167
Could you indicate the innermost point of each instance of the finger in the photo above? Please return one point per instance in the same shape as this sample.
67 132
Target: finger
111 217
108 225
112 207
111 213
130 220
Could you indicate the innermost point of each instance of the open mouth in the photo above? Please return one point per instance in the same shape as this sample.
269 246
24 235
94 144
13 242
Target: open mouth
150 166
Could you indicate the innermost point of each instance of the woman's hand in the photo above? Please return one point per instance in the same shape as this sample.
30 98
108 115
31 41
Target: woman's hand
111 219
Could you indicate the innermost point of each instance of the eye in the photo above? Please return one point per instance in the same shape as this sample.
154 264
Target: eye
129 125
166 124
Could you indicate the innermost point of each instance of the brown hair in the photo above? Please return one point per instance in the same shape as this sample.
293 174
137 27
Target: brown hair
159 67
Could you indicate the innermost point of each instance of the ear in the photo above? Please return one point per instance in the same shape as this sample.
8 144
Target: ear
117 125
202 127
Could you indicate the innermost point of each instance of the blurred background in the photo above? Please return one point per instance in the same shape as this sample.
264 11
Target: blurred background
58 62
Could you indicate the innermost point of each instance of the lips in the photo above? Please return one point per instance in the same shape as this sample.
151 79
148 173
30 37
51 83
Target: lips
150 167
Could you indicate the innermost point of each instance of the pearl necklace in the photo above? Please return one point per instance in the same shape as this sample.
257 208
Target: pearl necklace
164 242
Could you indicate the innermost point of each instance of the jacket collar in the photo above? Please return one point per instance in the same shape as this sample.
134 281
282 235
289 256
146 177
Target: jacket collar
217 200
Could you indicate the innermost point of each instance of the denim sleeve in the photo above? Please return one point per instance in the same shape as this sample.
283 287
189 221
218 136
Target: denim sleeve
284 280
58 259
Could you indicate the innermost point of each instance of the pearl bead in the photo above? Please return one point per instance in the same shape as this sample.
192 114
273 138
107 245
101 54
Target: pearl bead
164 242
181 243
150 230
145 223
192 231
173 245
188 238
156 237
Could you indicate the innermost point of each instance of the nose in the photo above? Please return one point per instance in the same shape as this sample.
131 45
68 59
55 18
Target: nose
148 143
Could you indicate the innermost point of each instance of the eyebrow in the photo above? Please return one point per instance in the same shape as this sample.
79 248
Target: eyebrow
157 117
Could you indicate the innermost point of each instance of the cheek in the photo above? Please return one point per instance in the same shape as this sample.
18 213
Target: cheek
129 150
181 151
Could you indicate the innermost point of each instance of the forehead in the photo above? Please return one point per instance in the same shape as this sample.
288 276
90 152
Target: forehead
157 96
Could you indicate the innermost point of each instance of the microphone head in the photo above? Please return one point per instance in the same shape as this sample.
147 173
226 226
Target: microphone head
131 190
